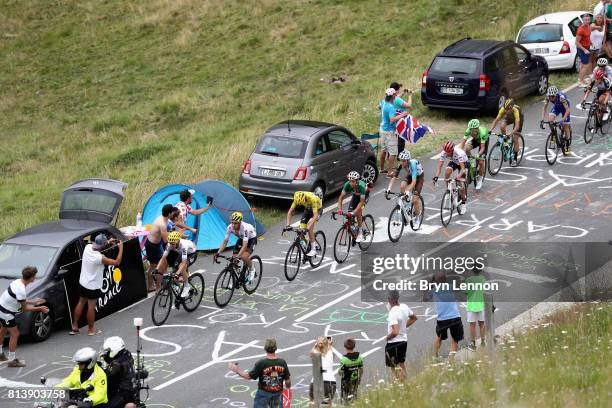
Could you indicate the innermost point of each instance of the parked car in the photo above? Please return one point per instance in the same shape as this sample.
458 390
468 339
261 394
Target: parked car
308 156
481 74
55 248
553 36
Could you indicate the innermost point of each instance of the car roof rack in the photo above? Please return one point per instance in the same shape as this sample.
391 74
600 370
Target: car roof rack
457 42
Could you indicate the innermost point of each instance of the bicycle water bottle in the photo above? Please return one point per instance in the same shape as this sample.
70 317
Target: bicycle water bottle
139 220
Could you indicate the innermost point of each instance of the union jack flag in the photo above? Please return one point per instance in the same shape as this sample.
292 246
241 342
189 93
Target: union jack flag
411 130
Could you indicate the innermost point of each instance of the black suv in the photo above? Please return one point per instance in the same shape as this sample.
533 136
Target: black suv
481 74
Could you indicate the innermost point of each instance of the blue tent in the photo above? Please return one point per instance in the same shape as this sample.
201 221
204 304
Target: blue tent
212 224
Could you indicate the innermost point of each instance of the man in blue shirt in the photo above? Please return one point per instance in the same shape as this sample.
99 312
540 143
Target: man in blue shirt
401 106
388 122
448 317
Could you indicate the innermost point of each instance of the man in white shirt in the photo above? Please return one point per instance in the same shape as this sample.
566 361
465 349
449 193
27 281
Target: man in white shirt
184 207
600 8
400 318
91 279
12 301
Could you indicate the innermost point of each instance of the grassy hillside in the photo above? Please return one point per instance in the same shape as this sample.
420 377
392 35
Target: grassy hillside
562 362
178 91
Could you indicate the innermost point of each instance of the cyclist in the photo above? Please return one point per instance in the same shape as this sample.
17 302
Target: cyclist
458 161
603 85
411 173
119 372
476 136
360 192
602 65
177 246
313 208
87 372
561 106
247 239
510 114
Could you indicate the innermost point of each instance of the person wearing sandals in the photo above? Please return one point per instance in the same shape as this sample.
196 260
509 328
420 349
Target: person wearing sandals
91 279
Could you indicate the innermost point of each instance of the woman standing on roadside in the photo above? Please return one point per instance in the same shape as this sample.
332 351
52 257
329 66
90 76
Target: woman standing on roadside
323 345
598 34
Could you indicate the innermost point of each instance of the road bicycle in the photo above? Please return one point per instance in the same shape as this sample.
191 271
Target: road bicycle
450 200
555 142
298 250
229 279
171 294
595 121
347 234
472 171
402 214
502 151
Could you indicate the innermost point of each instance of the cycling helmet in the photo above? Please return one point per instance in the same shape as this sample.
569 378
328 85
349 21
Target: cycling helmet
599 74
236 216
552 91
602 62
405 155
474 124
449 146
174 237
354 176
299 198
86 356
113 345
508 103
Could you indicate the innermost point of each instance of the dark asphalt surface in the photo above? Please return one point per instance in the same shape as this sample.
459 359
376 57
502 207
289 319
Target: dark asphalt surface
187 358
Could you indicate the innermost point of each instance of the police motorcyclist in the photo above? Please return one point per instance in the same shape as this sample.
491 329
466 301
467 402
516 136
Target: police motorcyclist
87 372
120 373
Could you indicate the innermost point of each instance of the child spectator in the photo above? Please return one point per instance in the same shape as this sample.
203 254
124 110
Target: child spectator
351 371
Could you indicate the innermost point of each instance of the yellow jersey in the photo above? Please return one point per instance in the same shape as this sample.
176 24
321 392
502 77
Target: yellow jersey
514 114
311 200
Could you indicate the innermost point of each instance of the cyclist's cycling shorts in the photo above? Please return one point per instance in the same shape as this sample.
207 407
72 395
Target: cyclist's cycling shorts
250 245
560 111
509 120
476 148
357 198
308 214
419 183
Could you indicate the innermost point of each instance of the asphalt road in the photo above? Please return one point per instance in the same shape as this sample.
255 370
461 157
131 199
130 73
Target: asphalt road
187 358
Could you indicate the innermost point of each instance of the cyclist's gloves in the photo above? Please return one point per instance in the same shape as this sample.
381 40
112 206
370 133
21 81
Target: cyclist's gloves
349 214
542 124
339 211
435 180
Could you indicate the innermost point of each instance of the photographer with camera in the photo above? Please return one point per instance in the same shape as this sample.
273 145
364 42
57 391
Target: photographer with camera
89 378
119 372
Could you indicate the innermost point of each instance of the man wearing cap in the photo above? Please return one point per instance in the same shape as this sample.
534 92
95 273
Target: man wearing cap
388 122
185 209
401 106
91 279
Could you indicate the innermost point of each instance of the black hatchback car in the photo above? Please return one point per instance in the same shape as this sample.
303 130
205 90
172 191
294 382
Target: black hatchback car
481 74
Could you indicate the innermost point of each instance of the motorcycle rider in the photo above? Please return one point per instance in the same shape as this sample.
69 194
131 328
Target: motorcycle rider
87 372
119 372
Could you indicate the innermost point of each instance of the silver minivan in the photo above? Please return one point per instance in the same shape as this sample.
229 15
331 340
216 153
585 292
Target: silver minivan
301 155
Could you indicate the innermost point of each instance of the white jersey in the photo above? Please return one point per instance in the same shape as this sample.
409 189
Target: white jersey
11 298
459 155
185 247
246 231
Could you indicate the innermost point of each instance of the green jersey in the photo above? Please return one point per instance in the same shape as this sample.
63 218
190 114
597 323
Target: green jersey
360 191
481 137
349 367
475 298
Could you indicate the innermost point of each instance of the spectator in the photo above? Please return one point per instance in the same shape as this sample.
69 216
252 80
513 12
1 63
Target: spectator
400 318
600 8
154 245
12 300
608 23
448 317
173 218
272 373
583 43
597 38
185 209
475 309
323 345
401 106
351 371
91 280
389 118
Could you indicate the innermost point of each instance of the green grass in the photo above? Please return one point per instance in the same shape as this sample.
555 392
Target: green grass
178 91
562 362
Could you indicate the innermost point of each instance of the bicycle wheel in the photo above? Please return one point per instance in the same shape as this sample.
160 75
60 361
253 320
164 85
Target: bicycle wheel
196 291
395 227
495 159
224 287
250 287
162 304
342 245
446 208
590 126
551 149
367 232
521 150
293 260
416 221
320 243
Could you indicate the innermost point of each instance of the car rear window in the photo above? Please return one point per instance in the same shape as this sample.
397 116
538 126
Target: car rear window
281 146
453 65
540 33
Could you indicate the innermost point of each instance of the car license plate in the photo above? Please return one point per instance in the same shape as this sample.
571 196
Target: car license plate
272 173
541 51
451 91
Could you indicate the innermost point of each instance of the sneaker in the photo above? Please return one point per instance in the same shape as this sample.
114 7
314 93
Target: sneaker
16 363
567 151
312 252
250 275
185 292
3 357
478 182
358 238
471 346
462 208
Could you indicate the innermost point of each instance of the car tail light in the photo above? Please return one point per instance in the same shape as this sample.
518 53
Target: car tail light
485 82
246 167
424 79
300 173
565 49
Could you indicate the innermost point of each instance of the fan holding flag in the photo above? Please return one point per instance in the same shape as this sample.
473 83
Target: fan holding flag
409 129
